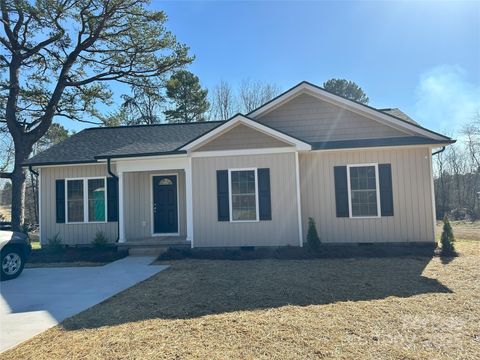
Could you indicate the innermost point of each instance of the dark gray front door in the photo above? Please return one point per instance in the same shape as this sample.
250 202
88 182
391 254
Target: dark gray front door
165 211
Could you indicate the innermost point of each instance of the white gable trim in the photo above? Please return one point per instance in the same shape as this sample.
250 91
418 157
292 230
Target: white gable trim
240 119
309 89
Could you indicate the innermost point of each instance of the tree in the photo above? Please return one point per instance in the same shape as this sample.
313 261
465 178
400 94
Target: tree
447 239
313 240
55 134
57 57
189 99
253 94
144 106
347 89
224 103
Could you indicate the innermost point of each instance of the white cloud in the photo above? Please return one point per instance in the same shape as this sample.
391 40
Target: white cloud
445 99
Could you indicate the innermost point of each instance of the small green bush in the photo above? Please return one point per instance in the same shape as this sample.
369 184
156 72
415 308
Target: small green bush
100 241
313 240
55 244
447 239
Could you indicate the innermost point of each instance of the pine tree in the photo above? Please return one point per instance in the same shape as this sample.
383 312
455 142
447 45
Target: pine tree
189 99
313 240
447 238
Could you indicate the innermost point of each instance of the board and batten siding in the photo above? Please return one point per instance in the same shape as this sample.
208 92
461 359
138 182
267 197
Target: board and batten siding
138 203
70 234
242 137
312 119
281 230
413 219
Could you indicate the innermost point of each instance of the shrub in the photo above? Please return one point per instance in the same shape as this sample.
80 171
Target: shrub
55 244
447 238
313 241
100 241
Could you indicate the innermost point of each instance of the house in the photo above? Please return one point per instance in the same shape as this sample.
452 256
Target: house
364 175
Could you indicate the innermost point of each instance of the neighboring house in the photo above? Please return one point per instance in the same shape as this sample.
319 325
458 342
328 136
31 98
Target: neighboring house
363 174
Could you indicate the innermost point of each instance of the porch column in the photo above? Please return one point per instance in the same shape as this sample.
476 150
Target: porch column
299 199
121 222
189 200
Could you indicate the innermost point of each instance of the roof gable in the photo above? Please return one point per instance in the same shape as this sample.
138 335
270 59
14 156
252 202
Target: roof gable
241 119
240 137
361 109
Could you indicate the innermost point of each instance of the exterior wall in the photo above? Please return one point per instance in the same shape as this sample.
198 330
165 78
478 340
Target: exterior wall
138 203
242 137
281 230
311 119
413 219
71 234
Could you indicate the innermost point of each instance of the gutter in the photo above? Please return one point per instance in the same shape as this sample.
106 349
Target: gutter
439 151
110 172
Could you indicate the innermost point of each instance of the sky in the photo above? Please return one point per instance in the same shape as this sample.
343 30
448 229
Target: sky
423 57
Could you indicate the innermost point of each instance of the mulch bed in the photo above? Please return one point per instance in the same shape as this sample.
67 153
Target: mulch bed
297 253
76 254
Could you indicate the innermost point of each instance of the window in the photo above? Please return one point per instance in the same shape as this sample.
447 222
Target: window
243 195
363 190
86 200
75 201
96 200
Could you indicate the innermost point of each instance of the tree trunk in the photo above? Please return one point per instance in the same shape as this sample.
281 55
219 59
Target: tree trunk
22 153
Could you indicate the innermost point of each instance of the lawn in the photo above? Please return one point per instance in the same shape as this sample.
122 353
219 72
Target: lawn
389 308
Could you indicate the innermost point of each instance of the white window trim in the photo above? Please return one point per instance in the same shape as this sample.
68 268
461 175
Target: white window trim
85 200
230 195
377 191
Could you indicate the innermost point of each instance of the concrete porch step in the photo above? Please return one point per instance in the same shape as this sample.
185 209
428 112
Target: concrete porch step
146 251
152 246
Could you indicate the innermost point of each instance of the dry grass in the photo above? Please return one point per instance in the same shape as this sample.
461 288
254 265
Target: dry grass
398 308
463 229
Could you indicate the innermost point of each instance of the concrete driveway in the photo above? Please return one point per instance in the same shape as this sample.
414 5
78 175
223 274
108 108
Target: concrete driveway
41 298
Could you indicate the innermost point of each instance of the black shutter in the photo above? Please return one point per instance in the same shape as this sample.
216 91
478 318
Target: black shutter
60 200
386 194
341 191
264 200
222 196
112 199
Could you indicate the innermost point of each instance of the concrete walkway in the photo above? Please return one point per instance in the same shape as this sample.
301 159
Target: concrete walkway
41 298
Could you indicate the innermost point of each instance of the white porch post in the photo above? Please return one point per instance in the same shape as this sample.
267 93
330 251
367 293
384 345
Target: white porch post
121 222
189 200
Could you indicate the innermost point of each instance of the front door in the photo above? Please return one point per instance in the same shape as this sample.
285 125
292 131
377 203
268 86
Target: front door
165 211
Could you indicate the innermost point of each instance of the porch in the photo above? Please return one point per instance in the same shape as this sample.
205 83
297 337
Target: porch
154 202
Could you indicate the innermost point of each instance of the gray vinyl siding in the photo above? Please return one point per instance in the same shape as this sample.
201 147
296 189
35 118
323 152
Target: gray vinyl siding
281 230
311 119
412 196
242 137
70 234
138 203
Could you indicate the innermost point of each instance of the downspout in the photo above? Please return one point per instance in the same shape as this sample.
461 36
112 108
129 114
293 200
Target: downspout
110 172
439 151
35 193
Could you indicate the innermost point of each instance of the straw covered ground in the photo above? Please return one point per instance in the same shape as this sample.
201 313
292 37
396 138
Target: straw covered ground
377 308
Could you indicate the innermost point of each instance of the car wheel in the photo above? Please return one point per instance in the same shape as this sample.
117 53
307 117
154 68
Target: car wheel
12 263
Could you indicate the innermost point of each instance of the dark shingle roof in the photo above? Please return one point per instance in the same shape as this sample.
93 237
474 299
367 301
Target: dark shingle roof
122 141
392 141
399 114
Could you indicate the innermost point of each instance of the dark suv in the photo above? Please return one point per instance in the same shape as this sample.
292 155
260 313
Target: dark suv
14 249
